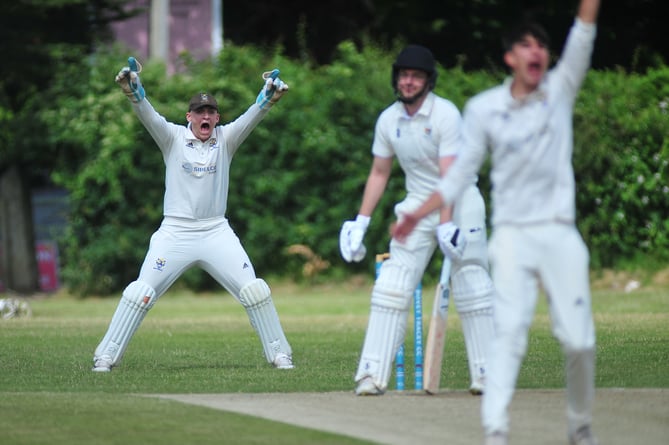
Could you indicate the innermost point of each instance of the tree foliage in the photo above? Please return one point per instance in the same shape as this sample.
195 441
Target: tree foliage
33 35
301 173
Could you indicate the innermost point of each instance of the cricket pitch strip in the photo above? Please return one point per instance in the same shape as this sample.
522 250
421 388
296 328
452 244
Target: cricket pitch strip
622 416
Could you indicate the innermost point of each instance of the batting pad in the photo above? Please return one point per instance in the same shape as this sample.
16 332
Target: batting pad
391 298
473 292
385 330
256 299
472 288
137 299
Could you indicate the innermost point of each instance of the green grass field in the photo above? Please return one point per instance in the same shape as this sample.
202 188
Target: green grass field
204 344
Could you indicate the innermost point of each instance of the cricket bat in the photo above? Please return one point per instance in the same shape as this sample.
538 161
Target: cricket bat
436 336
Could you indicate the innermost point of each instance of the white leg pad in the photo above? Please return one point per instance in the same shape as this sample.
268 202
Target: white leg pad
391 298
473 292
137 299
257 300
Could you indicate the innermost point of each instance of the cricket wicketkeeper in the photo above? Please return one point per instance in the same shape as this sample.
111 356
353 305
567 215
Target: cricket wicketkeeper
195 230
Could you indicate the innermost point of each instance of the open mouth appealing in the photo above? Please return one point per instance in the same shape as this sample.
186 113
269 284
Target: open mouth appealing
534 67
204 126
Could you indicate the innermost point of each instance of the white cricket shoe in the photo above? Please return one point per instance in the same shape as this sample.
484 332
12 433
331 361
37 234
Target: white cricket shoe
476 388
102 365
497 438
283 361
583 436
367 387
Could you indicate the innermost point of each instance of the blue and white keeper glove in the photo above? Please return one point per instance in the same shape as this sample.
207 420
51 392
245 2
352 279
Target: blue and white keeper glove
451 240
128 80
350 239
273 89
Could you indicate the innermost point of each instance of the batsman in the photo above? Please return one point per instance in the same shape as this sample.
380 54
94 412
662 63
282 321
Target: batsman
421 130
195 231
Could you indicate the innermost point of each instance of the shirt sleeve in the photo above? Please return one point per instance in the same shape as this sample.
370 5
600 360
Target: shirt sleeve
575 60
157 126
450 127
238 130
381 145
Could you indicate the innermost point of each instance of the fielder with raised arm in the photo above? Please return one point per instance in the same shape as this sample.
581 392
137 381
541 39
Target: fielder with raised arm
195 230
526 123
422 130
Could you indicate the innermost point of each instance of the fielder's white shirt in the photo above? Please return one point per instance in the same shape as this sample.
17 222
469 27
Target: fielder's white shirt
197 174
418 142
530 141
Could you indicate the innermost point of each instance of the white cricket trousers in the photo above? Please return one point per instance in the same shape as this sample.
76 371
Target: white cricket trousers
521 257
181 244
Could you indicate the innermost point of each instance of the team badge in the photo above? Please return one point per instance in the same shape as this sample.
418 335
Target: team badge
160 264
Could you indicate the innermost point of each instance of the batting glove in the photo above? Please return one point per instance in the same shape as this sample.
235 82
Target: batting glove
128 80
451 240
350 239
273 89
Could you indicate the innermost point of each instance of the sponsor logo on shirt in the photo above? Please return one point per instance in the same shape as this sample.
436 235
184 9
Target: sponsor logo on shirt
198 170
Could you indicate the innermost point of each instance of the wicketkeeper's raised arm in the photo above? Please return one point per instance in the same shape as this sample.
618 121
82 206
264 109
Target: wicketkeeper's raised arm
588 10
273 89
128 80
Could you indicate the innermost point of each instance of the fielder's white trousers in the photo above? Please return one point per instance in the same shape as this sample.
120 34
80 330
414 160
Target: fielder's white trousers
521 257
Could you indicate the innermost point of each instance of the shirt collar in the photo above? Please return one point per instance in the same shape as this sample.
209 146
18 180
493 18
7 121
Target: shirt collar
424 110
538 95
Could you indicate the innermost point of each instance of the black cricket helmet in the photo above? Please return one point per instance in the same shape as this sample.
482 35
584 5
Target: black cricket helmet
415 57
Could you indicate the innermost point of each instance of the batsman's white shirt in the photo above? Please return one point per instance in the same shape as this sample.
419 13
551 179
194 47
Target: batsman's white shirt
530 141
418 142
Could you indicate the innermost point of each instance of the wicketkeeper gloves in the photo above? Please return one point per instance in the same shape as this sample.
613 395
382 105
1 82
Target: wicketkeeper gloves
350 239
273 89
128 80
451 240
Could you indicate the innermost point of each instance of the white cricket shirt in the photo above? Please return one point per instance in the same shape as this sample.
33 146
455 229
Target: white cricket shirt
197 173
530 141
418 141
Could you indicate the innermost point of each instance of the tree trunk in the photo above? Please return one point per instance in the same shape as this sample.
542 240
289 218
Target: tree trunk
18 268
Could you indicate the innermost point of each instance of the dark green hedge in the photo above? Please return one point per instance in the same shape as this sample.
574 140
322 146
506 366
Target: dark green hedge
302 172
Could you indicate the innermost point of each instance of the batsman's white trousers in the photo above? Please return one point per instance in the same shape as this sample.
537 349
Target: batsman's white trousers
413 255
555 255
212 245
417 250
